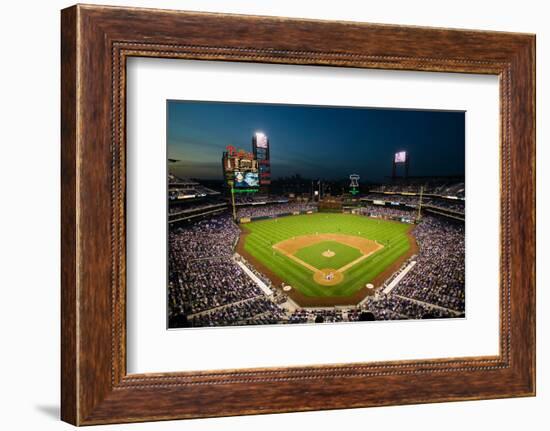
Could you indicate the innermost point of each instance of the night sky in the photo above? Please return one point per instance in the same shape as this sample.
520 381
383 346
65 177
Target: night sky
315 141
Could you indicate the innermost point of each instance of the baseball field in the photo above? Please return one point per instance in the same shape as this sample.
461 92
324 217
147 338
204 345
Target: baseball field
326 255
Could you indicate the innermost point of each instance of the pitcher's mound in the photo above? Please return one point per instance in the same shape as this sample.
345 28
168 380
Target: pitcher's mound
328 253
328 277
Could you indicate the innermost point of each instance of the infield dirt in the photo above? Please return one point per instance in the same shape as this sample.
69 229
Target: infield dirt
327 276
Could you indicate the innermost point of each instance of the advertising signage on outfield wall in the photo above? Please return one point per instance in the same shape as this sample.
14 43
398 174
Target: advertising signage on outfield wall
245 190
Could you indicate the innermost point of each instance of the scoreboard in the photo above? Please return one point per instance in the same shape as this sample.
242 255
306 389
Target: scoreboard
240 169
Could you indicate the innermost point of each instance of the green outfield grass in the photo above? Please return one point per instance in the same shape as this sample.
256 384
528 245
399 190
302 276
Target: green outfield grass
263 234
313 255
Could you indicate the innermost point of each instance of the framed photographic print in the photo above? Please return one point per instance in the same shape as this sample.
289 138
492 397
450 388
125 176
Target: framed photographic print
287 207
312 243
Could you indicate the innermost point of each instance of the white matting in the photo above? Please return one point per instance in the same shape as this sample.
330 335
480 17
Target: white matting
152 348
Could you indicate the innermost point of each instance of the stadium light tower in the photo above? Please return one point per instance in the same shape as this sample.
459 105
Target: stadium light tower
260 149
400 158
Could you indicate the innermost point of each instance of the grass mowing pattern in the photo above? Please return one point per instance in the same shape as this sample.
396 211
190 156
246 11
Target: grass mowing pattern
314 255
264 233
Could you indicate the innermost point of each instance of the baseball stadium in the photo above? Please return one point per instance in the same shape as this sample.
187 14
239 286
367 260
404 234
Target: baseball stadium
249 246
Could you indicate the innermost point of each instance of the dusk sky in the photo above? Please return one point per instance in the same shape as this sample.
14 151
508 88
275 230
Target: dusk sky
315 141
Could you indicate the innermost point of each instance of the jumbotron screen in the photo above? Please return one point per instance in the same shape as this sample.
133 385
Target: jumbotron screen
401 157
246 180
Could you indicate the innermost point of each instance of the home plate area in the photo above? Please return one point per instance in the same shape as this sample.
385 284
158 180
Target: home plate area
328 277
327 255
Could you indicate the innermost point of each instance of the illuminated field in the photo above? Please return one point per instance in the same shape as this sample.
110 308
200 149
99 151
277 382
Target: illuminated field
326 255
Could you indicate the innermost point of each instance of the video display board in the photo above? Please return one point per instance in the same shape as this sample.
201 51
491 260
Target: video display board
246 180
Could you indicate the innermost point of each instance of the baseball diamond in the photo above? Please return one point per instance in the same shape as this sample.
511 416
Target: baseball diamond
295 251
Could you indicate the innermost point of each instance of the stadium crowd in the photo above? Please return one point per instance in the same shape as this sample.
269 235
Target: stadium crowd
186 207
246 199
257 310
439 275
458 206
445 204
209 238
209 288
438 187
384 211
322 315
212 283
404 308
270 210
